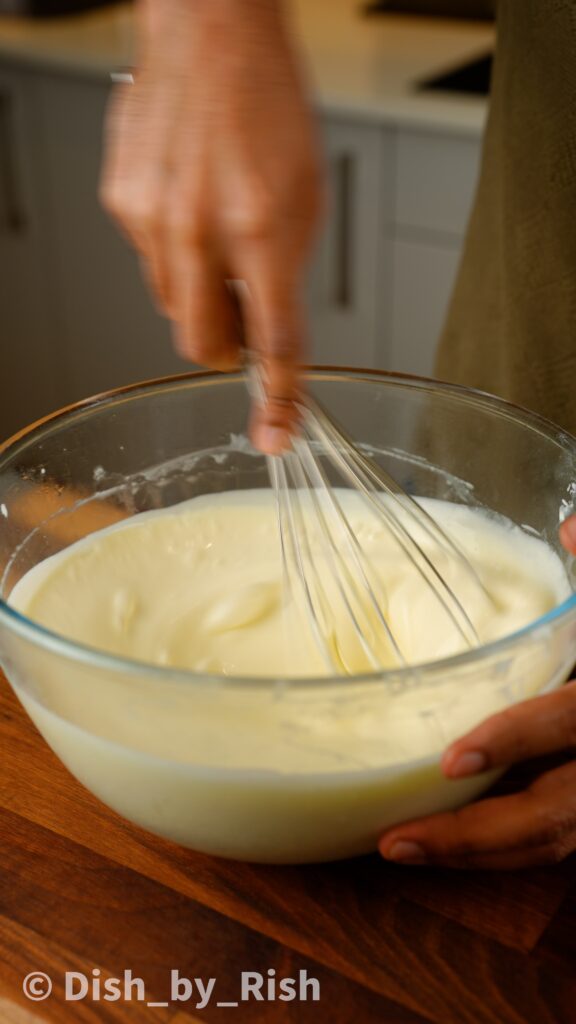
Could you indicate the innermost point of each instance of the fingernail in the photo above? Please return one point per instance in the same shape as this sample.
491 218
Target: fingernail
469 763
568 533
406 852
272 440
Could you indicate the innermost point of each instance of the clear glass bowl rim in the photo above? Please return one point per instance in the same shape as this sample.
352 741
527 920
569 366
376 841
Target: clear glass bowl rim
59 645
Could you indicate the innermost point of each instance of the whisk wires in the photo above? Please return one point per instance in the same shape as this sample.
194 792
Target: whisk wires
322 558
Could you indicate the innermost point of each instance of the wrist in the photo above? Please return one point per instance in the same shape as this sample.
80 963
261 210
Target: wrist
246 10
172 34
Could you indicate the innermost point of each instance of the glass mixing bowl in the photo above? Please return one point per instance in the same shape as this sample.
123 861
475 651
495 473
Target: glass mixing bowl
131 731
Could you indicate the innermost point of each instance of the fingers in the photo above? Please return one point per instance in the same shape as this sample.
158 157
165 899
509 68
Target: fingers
275 331
160 206
154 268
212 172
568 534
537 826
134 177
534 727
279 333
269 221
205 325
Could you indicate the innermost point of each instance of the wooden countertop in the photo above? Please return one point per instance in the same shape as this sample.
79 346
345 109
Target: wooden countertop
360 67
82 889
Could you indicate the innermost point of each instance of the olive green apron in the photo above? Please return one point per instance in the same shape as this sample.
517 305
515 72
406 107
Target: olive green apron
511 327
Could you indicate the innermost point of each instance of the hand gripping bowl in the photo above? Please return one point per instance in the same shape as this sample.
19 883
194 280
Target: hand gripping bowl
155 444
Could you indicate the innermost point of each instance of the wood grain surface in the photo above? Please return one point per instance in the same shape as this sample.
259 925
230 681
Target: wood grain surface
83 891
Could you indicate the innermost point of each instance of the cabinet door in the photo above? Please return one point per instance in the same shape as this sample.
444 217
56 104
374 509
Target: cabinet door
436 181
111 332
423 278
349 271
30 364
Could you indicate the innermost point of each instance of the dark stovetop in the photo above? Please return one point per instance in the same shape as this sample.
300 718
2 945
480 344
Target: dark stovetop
471 78
476 9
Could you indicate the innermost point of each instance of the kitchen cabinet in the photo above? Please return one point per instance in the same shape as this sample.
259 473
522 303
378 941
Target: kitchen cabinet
347 274
435 182
30 361
435 179
75 315
111 332
423 275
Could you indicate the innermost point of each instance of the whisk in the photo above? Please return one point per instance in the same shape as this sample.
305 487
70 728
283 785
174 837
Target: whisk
315 532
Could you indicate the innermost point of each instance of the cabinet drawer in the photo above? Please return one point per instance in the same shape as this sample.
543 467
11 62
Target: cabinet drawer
436 179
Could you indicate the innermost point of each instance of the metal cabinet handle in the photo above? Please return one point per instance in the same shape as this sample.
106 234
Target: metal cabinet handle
344 230
11 210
